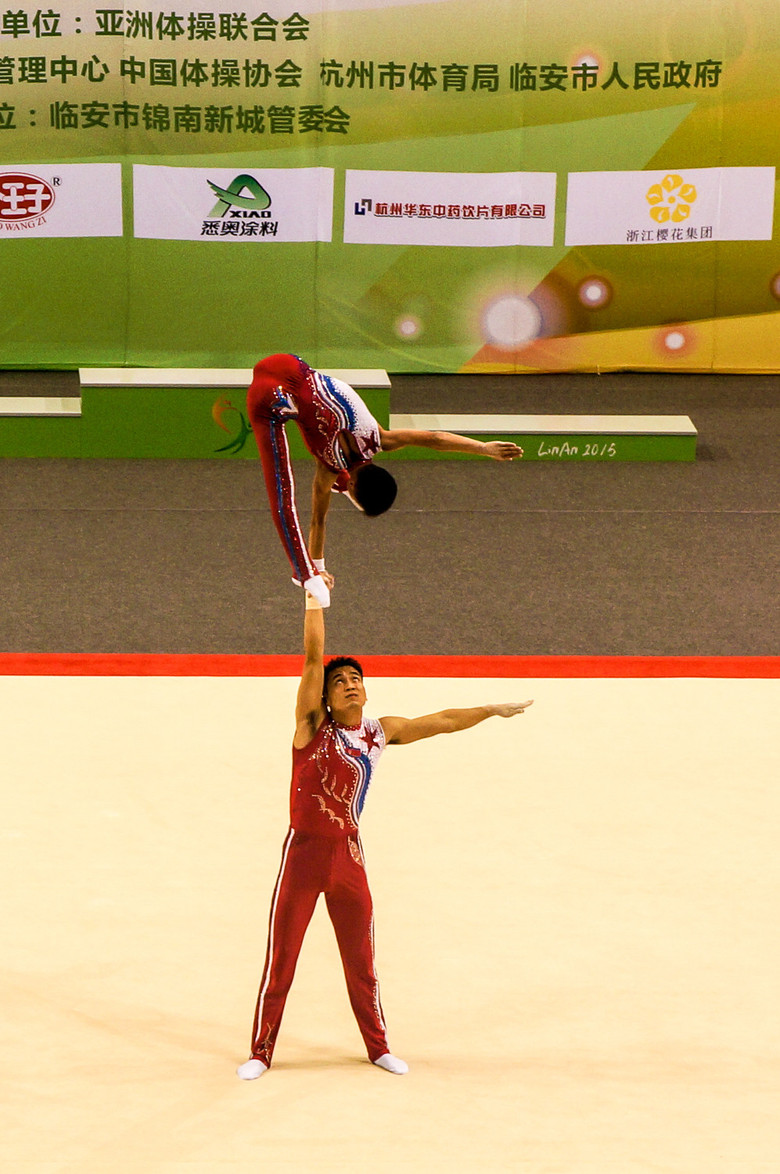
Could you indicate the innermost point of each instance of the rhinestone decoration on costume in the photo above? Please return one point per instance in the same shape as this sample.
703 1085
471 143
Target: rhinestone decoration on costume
335 403
331 776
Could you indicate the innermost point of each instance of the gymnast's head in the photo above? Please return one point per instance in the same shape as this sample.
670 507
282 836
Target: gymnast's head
372 489
342 685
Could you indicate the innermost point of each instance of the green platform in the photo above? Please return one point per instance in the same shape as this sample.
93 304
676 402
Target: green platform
180 422
567 438
147 420
169 414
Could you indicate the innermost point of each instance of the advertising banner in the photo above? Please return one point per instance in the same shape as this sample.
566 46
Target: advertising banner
442 208
215 204
71 199
446 188
646 207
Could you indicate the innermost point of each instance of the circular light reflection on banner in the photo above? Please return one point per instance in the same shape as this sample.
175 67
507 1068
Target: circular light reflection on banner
510 321
594 292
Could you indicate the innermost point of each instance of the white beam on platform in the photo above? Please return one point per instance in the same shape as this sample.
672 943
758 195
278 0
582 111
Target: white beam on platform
553 425
229 377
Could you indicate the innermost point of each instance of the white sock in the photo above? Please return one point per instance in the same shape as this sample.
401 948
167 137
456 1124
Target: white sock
391 1063
316 586
251 1069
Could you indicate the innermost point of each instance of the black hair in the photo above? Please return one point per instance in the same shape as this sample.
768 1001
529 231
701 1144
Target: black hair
339 662
374 489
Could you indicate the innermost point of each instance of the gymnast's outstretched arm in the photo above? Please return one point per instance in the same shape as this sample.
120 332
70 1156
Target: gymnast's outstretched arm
401 730
498 450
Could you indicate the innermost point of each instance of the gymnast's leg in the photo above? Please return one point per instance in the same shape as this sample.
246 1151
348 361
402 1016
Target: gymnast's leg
295 896
277 471
351 911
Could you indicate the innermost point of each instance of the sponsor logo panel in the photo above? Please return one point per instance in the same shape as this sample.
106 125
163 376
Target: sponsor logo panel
61 200
669 207
477 210
218 204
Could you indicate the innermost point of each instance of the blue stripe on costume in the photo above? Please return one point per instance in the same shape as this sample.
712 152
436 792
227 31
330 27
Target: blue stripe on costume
282 464
342 406
361 764
359 799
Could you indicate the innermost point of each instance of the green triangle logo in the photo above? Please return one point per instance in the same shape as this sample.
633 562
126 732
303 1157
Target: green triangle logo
233 196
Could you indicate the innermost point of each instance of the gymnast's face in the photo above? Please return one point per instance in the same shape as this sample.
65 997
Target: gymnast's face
346 691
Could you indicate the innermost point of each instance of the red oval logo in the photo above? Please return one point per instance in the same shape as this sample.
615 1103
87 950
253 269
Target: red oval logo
23 197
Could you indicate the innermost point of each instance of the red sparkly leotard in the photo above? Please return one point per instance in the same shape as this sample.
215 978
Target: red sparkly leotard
284 387
331 777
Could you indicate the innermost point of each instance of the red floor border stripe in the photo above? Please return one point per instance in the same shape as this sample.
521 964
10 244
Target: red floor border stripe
222 665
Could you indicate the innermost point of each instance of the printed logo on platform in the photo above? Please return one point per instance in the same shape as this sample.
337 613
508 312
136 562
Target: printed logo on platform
671 199
25 199
223 410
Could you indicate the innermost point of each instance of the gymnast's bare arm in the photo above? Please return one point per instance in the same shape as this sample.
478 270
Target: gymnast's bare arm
309 706
498 450
322 484
402 730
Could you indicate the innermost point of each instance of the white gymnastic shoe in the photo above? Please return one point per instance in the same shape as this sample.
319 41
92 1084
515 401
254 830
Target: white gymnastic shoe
251 1069
391 1063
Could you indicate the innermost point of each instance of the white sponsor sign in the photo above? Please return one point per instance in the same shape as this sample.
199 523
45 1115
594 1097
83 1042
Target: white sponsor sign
219 204
657 207
477 210
61 199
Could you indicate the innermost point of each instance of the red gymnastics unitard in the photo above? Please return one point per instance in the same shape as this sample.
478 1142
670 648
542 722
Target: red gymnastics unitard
323 854
284 387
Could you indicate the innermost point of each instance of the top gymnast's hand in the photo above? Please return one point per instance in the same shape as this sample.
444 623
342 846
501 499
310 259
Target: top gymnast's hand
502 450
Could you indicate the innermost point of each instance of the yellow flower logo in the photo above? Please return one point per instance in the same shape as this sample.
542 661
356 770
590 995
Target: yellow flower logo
670 199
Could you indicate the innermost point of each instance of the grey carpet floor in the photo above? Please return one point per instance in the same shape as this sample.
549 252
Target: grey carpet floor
475 557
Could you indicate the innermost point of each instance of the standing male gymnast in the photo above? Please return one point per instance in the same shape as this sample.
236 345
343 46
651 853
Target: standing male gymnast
335 750
343 437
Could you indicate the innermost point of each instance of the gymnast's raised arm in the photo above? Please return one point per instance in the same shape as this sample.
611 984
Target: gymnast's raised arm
309 706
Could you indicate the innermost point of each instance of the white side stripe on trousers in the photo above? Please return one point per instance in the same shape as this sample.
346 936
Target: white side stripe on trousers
272 933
